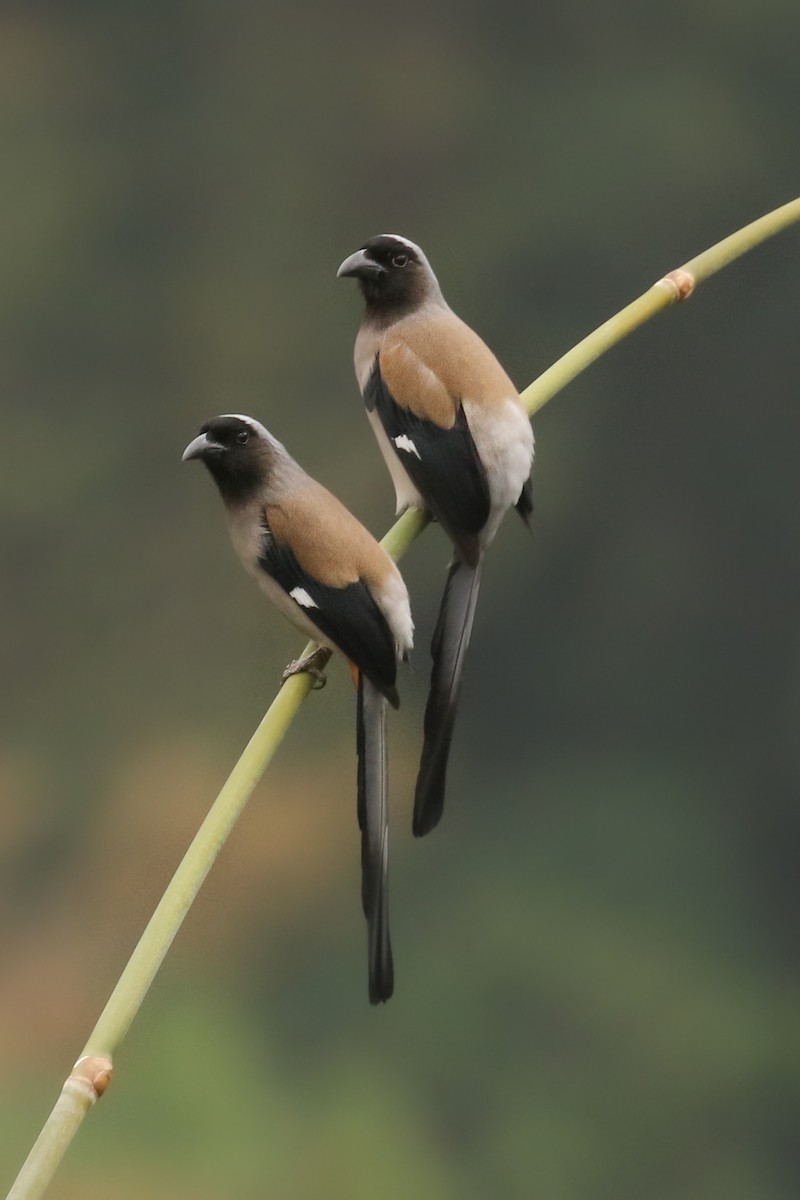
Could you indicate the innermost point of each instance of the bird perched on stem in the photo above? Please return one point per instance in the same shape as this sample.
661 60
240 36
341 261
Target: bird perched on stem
321 568
456 440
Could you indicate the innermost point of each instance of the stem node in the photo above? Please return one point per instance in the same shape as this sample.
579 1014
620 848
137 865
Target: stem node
91 1073
681 281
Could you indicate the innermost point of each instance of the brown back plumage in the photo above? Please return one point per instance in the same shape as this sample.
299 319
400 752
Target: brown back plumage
327 540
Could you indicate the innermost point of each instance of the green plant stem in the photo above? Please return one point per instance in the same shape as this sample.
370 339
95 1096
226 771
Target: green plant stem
78 1095
663 293
154 943
125 1001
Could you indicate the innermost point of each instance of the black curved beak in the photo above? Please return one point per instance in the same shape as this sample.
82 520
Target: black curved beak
360 266
200 447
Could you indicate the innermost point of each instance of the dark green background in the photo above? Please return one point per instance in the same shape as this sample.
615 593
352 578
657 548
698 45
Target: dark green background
596 979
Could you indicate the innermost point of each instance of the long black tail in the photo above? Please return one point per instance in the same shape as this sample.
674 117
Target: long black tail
449 648
373 821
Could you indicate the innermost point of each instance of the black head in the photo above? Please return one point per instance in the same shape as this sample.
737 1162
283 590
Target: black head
393 273
236 451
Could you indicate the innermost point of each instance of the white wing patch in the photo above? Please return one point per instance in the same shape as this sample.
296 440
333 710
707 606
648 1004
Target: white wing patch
403 442
302 597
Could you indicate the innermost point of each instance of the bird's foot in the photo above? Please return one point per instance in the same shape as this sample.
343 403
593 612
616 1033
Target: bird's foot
311 665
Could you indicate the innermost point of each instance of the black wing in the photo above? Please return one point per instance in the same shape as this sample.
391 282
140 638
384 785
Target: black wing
524 505
348 616
443 465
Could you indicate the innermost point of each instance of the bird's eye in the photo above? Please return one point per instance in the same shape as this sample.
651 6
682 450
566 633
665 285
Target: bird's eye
400 260
243 437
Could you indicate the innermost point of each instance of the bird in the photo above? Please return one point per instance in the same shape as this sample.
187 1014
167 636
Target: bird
325 572
457 441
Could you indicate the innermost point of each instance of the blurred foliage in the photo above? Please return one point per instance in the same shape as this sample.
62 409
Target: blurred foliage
595 953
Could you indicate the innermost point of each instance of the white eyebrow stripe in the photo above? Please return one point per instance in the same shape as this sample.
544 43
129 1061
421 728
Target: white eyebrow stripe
397 237
256 426
251 421
301 596
403 442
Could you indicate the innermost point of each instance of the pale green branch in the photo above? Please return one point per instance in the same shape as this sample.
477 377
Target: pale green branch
675 286
92 1072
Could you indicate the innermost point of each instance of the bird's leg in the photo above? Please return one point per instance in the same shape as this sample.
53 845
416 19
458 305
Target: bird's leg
312 665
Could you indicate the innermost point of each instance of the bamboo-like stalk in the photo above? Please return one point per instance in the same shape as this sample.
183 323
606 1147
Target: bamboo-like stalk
92 1072
677 285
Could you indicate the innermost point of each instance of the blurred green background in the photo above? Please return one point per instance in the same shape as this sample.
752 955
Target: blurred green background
595 952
